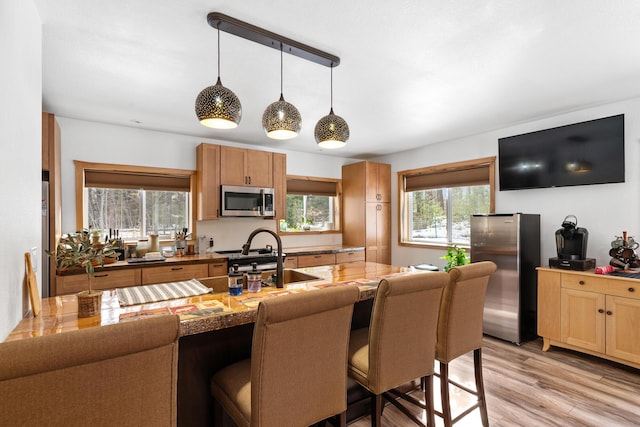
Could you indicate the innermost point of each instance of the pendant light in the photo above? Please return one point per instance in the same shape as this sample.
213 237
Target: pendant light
331 131
216 106
281 120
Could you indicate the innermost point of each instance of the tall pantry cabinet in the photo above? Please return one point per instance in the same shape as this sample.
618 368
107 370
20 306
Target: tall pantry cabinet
366 213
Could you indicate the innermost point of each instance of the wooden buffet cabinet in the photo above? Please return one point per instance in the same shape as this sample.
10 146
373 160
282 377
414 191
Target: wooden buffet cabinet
366 213
590 313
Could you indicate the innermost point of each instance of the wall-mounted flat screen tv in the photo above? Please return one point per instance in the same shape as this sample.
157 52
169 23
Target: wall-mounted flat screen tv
579 154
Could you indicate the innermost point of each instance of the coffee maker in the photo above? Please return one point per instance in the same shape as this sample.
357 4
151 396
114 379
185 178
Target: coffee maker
571 246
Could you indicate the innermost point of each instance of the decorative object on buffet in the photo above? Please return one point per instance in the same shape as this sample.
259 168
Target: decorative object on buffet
281 120
571 245
623 253
77 251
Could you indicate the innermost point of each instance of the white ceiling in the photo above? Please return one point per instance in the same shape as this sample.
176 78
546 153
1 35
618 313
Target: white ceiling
412 72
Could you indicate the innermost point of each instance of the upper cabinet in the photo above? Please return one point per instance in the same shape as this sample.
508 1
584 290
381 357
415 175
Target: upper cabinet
220 165
280 186
378 182
208 181
51 168
240 166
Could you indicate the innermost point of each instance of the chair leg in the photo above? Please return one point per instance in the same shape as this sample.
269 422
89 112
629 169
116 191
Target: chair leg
444 394
342 419
427 384
376 410
482 401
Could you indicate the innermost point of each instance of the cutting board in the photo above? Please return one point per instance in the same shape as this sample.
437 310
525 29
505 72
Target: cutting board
32 285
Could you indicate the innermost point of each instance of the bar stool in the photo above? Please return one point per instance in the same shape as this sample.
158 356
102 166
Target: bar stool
399 344
460 331
296 375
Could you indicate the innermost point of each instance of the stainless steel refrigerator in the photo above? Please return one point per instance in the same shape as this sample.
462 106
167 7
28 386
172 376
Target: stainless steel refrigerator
512 241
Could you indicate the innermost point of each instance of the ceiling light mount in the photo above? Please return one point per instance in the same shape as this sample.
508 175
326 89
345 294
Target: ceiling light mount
260 35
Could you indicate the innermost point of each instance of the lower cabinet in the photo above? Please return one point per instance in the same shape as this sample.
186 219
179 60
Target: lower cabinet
218 269
316 260
598 315
101 280
174 273
344 257
290 261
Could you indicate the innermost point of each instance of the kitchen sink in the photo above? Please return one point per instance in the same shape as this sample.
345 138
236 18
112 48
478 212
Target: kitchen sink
291 276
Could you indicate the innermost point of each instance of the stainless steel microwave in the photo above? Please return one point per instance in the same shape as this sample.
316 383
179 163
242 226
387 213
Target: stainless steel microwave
247 201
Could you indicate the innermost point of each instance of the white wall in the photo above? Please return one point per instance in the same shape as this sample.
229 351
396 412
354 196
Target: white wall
21 145
98 142
604 210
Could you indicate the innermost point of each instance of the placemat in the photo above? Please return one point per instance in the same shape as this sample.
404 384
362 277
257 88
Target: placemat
160 292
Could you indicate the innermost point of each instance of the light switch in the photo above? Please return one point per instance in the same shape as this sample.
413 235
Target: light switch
34 259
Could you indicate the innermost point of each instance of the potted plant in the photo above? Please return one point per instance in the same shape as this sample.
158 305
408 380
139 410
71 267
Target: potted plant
455 257
77 251
307 223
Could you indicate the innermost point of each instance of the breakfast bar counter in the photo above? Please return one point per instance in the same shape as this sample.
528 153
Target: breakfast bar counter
201 313
216 329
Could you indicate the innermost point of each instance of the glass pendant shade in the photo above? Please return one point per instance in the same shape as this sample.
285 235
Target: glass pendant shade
331 131
281 120
218 107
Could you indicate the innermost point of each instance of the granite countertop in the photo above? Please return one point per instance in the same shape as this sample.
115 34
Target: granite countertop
216 257
205 312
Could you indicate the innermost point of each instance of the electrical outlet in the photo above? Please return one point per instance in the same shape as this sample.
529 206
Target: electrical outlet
34 259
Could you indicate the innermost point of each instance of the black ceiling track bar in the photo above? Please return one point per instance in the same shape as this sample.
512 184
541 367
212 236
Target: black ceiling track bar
260 35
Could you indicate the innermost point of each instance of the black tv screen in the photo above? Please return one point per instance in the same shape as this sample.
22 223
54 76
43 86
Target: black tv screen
579 154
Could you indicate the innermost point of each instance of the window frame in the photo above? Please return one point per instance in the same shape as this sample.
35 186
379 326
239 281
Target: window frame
81 167
337 214
403 214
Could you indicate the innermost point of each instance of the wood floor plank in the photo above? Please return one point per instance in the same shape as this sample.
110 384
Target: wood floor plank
531 388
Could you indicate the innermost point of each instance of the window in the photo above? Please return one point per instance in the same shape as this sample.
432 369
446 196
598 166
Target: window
312 205
134 200
436 203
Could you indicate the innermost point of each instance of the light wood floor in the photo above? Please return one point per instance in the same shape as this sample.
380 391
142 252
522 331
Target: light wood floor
528 387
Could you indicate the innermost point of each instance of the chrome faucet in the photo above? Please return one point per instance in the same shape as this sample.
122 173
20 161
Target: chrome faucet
279 267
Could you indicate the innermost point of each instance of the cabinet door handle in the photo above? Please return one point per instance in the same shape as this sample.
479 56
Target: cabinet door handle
318 256
631 290
176 268
101 275
609 312
600 310
581 282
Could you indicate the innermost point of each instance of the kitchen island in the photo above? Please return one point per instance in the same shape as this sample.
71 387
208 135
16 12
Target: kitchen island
214 334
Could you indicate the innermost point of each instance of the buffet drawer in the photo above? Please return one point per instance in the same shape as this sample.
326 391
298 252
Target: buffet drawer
601 284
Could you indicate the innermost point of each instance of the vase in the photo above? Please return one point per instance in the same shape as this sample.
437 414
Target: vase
153 243
89 303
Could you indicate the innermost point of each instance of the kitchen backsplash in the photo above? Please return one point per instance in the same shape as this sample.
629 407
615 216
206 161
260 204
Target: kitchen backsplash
232 233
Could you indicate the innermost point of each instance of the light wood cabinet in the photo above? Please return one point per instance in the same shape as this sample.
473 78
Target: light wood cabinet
240 166
598 315
344 257
290 262
173 273
208 181
378 182
51 170
280 186
316 260
219 268
101 280
366 212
